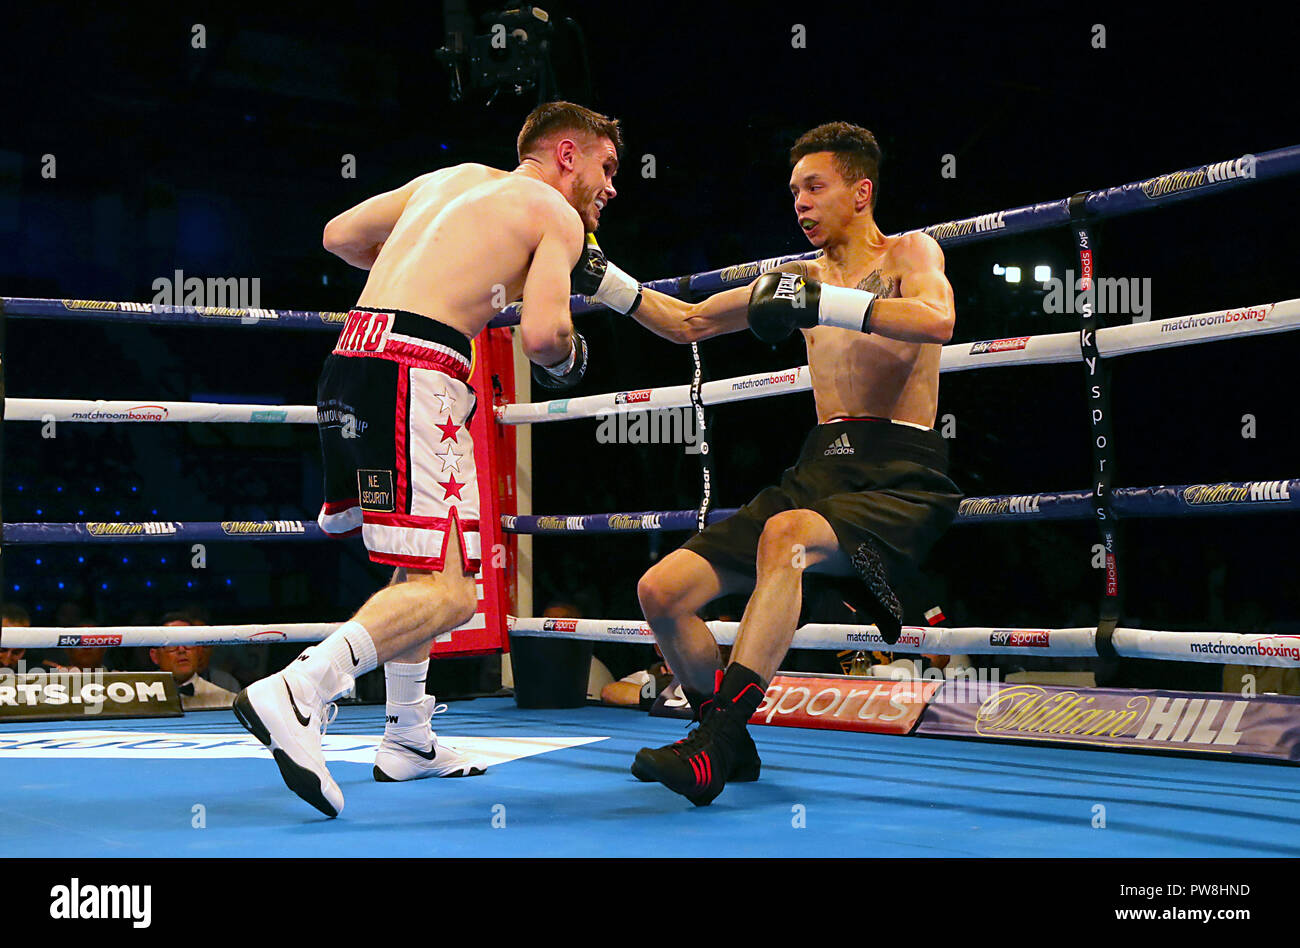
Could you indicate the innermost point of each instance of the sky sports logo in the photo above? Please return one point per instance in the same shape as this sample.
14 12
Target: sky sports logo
1010 638
999 345
89 641
633 398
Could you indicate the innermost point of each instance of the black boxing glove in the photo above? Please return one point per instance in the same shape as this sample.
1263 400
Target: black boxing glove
566 373
596 277
780 303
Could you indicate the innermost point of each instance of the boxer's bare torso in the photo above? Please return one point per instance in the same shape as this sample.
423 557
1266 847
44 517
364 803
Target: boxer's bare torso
856 374
462 246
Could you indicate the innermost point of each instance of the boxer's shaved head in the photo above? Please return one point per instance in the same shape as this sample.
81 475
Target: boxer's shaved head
553 118
854 152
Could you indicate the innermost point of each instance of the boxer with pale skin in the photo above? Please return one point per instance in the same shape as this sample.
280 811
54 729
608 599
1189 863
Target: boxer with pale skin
869 493
444 253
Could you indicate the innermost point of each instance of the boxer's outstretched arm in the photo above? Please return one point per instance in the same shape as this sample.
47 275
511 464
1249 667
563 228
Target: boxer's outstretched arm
357 234
545 325
678 321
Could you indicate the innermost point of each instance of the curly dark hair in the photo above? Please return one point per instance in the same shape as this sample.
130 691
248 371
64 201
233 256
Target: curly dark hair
857 155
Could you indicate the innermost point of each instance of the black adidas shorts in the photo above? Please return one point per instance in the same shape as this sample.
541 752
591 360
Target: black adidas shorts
877 482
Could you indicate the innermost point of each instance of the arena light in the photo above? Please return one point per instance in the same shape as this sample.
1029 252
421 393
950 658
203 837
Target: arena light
1042 273
998 269
1013 274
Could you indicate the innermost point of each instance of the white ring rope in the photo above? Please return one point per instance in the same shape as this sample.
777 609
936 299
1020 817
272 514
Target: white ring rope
85 410
158 636
1218 326
1209 647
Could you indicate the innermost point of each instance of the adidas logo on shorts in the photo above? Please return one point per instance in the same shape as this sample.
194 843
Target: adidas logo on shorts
839 446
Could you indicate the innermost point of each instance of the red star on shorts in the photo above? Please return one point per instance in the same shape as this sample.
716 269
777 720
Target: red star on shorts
448 431
452 488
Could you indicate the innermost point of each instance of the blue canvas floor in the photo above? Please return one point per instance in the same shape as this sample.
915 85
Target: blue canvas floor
118 788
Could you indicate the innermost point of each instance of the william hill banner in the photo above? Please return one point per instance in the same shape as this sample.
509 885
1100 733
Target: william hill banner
1263 726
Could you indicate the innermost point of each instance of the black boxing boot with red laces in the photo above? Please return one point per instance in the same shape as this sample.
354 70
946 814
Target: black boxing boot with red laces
699 766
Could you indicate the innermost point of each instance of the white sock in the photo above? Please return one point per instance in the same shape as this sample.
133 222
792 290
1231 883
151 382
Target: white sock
406 718
334 665
405 681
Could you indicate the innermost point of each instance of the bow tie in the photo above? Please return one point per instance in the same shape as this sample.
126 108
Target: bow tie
186 689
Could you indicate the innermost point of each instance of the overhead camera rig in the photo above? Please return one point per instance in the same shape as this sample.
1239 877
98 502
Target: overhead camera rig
513 55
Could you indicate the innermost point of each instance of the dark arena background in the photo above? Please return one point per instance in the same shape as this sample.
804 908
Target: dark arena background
217 141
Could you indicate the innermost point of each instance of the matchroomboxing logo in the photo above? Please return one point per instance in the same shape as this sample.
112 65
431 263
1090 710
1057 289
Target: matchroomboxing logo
762 381
635 631
908 638
135 413
1251 314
